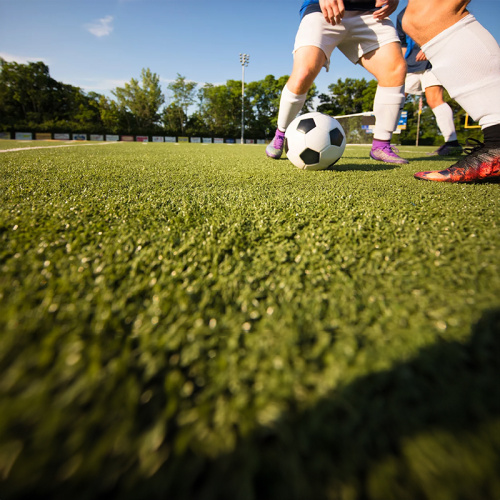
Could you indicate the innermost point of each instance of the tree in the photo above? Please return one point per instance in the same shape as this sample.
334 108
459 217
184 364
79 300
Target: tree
220 108
346 97
110 115
368 95
28 93
143 100
184 93
173 119
264 96
30 98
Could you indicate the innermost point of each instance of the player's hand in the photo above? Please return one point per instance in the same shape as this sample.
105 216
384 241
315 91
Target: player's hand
385 8
420 57
333 10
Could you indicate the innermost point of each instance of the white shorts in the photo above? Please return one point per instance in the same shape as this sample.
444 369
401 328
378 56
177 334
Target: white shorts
416 83
357 34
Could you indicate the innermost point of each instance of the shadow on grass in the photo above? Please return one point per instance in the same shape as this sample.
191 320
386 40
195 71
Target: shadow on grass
450 160
420 430
371 167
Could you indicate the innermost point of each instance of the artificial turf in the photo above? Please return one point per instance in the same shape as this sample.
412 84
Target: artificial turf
201 322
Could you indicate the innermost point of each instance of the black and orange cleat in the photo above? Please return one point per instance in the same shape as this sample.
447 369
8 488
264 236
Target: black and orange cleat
482 163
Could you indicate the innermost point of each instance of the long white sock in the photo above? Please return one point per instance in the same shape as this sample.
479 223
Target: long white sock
290 105
444 119
387 108
466 60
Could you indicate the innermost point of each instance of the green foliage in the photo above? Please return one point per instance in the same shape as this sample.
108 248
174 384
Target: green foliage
193 322
429 132
142 100
264 97
348 97
220 108
173 119
183 96
31 99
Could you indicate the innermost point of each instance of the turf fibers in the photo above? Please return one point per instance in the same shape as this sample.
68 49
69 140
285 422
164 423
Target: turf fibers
200 322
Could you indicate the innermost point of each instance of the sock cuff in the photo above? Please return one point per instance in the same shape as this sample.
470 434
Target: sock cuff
293 97
492 134
390 95
441 107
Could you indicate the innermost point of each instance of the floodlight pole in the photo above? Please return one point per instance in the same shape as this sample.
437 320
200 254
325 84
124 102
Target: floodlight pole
244 60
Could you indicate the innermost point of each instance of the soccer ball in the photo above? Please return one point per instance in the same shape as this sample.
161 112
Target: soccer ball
314 141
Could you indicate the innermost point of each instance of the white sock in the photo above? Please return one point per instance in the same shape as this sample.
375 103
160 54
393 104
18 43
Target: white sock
466 60
387 108
290 105
444 119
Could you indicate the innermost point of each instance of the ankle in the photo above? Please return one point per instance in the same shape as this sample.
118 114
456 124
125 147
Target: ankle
492 136
377 143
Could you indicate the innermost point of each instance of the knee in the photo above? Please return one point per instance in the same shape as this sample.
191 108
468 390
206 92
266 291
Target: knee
395 75
434 103
300 81
434 98
400 71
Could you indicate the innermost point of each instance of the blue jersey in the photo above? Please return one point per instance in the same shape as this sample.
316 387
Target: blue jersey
313 6
412 49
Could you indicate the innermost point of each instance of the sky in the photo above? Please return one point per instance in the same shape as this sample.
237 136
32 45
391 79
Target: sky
99 45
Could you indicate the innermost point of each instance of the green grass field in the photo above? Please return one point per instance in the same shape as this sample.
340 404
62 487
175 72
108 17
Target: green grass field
198 322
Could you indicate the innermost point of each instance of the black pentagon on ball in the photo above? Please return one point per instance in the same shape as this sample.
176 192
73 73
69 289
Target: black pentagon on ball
309 157
336 137
306 125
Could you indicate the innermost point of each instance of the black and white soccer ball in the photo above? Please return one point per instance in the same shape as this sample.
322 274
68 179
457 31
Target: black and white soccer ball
314 141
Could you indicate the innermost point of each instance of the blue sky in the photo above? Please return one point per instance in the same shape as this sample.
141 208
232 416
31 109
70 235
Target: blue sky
101 44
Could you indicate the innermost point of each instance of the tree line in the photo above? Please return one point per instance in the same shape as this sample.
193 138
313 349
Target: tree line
31 100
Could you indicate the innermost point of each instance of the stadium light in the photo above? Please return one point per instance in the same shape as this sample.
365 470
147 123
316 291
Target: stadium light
244 60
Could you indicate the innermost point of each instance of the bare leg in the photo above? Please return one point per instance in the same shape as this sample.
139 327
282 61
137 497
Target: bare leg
425 19
307 63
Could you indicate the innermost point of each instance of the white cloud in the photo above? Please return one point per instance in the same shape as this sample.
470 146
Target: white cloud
101 27
166 81
21 59
99 85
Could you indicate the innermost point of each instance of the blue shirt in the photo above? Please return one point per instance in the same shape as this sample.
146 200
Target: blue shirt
313 5
412 49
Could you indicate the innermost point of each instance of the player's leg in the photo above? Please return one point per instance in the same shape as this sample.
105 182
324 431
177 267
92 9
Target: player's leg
466 60
307 63
444 119
387 65
314 43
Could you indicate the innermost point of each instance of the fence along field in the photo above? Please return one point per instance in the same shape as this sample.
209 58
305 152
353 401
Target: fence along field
201 322
49 136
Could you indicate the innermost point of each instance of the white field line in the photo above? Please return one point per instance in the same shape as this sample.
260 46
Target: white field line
60 146
120 142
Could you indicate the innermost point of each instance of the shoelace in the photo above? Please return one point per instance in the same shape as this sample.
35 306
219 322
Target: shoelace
472 145
278 141
390 149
